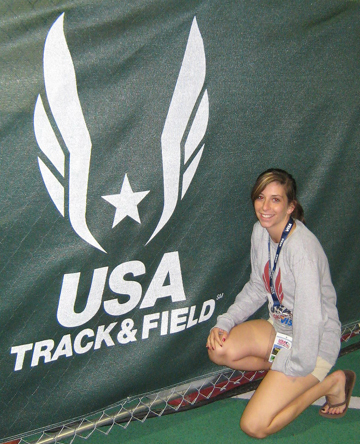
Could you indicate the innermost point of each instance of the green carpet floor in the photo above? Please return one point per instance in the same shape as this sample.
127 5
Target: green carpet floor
218 423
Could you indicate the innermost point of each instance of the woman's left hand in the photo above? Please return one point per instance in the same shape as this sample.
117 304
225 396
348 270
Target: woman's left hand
217 336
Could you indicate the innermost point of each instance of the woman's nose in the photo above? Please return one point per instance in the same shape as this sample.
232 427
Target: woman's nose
266 205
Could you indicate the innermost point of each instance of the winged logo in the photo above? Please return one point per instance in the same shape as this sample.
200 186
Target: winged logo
63 99
181 140
187 98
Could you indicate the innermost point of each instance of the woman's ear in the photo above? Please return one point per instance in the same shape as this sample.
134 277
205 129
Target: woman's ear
291 207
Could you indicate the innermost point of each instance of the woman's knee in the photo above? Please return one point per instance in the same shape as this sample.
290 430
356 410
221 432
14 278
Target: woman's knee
252 427
218 356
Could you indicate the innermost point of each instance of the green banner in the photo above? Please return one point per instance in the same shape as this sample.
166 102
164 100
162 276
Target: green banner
131 134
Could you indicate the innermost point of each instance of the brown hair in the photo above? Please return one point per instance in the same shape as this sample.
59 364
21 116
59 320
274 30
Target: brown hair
289 184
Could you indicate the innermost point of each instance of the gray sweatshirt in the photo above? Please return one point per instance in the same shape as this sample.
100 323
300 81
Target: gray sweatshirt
303 285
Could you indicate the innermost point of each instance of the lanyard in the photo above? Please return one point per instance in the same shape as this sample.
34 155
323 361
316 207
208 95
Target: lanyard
271 272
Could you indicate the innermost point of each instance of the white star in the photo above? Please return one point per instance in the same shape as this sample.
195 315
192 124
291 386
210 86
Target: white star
126 202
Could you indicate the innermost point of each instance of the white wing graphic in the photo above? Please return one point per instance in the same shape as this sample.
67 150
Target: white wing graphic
63 99
184 102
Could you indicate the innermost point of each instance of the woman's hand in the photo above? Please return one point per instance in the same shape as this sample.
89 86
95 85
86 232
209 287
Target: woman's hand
216 337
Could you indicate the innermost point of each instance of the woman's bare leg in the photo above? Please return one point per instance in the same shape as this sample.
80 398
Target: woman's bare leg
247 347
280 399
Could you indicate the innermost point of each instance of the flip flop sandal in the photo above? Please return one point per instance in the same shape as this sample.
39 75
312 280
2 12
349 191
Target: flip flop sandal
349 385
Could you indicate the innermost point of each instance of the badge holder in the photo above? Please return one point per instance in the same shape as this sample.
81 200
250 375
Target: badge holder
281 341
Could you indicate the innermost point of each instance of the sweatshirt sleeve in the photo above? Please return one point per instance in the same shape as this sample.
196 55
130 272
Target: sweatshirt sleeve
308 322
251 297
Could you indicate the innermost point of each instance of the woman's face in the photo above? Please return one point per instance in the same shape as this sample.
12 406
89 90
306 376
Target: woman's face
273 209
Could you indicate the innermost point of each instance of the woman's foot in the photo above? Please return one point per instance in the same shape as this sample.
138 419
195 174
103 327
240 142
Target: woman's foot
338 398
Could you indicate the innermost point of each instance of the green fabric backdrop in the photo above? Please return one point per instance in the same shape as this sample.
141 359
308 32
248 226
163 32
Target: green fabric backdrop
131 134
